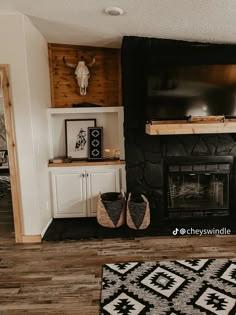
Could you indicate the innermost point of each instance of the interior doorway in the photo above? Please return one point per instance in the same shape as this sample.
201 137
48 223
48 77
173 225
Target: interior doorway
11 152
6 211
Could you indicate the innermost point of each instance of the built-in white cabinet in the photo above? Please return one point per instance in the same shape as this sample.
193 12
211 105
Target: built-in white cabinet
69 194
75 186
75 189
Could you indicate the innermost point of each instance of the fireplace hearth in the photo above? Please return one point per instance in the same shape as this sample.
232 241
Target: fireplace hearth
198 187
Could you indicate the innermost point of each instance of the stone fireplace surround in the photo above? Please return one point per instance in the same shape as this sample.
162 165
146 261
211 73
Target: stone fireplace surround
146 155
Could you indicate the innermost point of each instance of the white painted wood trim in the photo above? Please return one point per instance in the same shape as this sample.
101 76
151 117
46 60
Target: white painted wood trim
74 169
46 227
121 133
122 175
85 110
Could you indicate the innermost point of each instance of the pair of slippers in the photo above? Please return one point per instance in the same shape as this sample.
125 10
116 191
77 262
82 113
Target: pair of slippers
114 211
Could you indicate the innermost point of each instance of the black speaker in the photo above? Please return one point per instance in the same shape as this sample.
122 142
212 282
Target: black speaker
95 143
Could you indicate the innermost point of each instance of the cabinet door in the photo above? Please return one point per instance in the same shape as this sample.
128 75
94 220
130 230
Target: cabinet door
100 181
69 191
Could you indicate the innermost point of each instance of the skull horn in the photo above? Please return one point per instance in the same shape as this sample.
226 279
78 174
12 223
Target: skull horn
92 63
70 65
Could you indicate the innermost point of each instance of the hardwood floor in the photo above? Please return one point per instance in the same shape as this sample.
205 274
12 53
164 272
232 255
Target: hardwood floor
65 277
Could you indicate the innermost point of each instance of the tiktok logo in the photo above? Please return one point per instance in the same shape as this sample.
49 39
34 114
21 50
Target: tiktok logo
175 232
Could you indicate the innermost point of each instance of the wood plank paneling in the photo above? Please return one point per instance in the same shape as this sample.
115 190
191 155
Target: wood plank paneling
104 83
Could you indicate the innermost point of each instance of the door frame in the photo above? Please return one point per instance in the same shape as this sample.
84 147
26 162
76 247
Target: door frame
12 153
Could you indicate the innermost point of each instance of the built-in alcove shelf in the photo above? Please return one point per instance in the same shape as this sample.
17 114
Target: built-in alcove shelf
86 163
109 117
180 127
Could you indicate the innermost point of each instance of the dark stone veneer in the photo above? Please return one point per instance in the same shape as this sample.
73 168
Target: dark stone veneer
145 154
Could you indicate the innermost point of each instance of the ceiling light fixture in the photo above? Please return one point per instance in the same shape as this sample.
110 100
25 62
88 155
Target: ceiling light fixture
114 11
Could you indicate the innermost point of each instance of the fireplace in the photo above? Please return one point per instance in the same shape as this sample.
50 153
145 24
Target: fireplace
188 179
197 187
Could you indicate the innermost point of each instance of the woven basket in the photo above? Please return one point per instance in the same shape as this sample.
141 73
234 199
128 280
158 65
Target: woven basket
111 209
138 213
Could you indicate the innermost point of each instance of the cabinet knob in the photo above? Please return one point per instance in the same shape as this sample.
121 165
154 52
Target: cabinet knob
84 175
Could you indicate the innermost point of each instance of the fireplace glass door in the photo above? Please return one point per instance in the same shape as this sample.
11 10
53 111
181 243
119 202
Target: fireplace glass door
198 191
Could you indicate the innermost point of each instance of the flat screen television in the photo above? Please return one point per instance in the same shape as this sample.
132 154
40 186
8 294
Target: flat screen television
180 91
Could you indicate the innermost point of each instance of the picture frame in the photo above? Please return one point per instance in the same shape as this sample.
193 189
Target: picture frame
76 136
95 143
4 164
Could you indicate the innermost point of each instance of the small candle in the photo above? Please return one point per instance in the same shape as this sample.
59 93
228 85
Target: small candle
107 153
117 155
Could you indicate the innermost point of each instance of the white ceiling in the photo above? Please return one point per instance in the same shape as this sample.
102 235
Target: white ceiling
84 22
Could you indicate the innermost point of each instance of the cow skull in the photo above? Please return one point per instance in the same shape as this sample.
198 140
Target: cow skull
81 72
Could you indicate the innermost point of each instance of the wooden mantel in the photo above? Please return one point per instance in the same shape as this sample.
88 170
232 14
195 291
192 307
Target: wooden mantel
181 127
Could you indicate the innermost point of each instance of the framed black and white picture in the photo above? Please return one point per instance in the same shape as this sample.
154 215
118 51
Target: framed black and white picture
95 143
77 137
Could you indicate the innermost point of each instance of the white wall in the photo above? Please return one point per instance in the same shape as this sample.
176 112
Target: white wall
30 93
39 88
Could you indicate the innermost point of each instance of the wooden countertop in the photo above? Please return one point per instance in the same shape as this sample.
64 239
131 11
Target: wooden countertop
87 163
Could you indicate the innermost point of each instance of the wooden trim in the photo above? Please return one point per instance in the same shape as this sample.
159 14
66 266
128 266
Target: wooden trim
12 154
31 239
51 76
85 163
179 128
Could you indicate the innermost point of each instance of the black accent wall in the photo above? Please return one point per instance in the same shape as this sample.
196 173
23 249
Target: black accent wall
145 154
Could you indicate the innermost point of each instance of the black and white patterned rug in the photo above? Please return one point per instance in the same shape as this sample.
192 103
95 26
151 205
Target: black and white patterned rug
183 287
5 185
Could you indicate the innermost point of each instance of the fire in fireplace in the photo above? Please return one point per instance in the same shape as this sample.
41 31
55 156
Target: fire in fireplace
198 186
